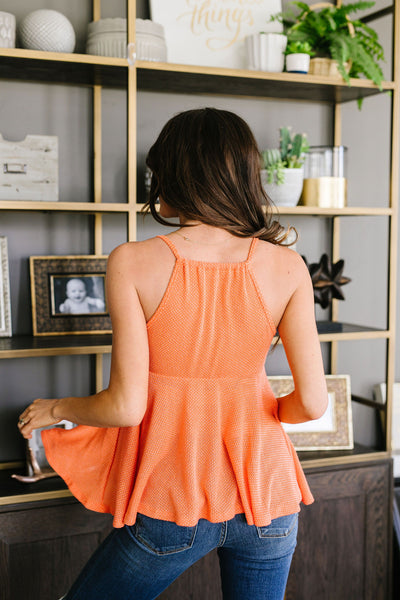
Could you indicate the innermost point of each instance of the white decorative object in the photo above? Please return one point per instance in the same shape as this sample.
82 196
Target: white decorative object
212 32
380 397
287 193
5 304
29 169
297 63
265 52
7 30
150 41
47 30
107 37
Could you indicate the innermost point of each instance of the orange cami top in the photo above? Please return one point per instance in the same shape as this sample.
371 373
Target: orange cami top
210 445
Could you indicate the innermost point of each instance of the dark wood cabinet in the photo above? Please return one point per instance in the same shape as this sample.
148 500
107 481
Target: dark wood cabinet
43 546
345 537
343 552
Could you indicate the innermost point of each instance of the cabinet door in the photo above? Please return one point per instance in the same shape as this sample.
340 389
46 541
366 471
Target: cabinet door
344 538
42 549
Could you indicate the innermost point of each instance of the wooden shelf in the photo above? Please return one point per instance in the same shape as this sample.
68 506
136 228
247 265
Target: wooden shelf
321 458
124 207
57 67
329 331
24 346
348 211
315 211
189 79
88 207
13 491
85 69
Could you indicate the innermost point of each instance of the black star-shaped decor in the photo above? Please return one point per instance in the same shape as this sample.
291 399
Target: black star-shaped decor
327 280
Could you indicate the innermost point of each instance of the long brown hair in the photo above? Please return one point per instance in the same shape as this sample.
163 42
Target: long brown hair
206 165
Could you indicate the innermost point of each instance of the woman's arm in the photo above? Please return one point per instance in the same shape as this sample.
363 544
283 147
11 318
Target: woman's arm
298 332
124 401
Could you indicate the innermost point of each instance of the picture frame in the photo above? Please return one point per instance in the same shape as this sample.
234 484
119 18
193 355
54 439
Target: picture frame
334 430
5 302
68 295
200 32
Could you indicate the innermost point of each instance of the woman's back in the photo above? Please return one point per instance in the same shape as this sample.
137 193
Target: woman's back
211 445
277 270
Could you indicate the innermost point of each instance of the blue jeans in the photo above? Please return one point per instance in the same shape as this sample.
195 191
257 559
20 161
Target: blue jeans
140 561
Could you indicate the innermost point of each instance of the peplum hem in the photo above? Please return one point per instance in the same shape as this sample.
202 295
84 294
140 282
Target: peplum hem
200 453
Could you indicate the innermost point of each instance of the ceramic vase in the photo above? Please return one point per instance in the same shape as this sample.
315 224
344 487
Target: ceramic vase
7 30
265 52
287 193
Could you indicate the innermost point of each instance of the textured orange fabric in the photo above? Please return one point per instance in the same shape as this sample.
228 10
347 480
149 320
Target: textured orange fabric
210 445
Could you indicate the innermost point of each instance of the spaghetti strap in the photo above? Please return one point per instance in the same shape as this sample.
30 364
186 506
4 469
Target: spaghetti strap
170 244
252 249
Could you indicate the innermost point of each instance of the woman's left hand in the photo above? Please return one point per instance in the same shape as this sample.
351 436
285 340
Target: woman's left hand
38 414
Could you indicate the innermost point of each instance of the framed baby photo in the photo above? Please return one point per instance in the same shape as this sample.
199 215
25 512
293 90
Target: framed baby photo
334 430
5 305
68 295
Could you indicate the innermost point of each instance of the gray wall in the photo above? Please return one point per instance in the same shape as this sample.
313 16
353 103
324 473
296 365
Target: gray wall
65 111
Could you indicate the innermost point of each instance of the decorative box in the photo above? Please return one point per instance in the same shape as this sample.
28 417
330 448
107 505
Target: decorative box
29 169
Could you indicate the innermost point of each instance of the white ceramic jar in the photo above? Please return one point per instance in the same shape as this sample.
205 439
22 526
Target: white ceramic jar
107 37
150 41
7 30
47 30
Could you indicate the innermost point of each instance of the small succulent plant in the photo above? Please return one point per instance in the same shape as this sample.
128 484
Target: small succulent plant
290 155
299 48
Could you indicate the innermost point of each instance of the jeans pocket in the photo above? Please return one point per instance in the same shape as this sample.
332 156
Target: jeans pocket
162 537
281 527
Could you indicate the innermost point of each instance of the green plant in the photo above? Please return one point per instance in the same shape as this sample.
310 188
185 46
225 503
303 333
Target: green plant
299 48
332 34
290 155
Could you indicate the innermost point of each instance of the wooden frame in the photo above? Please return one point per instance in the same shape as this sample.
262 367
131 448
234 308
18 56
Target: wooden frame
333 431
68 295
5 305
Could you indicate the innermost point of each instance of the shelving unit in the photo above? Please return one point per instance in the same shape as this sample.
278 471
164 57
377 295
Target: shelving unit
95 72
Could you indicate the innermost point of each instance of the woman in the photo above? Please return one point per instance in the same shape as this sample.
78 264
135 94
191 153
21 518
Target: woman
185 447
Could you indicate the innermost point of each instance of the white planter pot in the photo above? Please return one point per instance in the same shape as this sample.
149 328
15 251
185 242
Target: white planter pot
287 193
297 63
265 52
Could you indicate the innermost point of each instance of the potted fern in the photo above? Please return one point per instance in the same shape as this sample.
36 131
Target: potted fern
351 44
282 168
